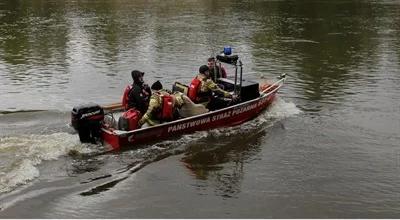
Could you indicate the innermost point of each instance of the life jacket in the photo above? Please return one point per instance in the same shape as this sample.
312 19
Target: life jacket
125 97
167 108
129 120
141 104
194 88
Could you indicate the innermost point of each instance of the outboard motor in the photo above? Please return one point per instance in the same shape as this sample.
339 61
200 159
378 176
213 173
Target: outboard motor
86 119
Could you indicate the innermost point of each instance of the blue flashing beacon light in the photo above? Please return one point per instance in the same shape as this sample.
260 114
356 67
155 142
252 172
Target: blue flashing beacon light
227 50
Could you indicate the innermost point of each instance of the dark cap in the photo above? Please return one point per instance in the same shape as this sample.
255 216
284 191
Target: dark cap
156 85
203 69
136 74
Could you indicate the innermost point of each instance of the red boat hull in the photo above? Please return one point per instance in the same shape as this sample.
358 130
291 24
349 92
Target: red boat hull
226 117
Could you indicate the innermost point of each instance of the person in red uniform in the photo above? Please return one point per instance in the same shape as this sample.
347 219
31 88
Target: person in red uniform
138 94
202 89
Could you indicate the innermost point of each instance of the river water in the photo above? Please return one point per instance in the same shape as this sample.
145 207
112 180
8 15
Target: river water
328 147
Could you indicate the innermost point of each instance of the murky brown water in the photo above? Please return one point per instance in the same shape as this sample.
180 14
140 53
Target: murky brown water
329 147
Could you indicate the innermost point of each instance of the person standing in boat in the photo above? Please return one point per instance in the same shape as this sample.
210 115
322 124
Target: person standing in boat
216 71
163 106
138 94
201 88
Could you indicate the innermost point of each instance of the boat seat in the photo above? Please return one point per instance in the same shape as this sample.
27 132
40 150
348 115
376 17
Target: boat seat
191 109
112 118
179 87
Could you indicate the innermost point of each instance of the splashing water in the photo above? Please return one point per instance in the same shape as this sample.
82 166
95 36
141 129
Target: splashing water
138 158
22 154
279 110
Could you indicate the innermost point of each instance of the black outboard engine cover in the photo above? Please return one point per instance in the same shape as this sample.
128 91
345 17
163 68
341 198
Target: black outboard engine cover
86 119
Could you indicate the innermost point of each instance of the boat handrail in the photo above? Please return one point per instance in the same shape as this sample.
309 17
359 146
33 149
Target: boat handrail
279 83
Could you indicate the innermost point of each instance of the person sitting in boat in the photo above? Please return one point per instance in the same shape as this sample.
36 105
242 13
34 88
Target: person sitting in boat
203 90
216 71
138 94
163 106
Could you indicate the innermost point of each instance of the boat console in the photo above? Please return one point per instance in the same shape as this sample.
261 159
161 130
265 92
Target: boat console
248 90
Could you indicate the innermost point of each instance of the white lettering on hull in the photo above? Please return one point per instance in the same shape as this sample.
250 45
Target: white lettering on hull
190 124
218 117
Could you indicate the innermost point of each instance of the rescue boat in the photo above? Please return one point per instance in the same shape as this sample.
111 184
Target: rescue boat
100 123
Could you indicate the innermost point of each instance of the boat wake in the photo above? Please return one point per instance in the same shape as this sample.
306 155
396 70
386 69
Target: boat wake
21 156
281 109
138 158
